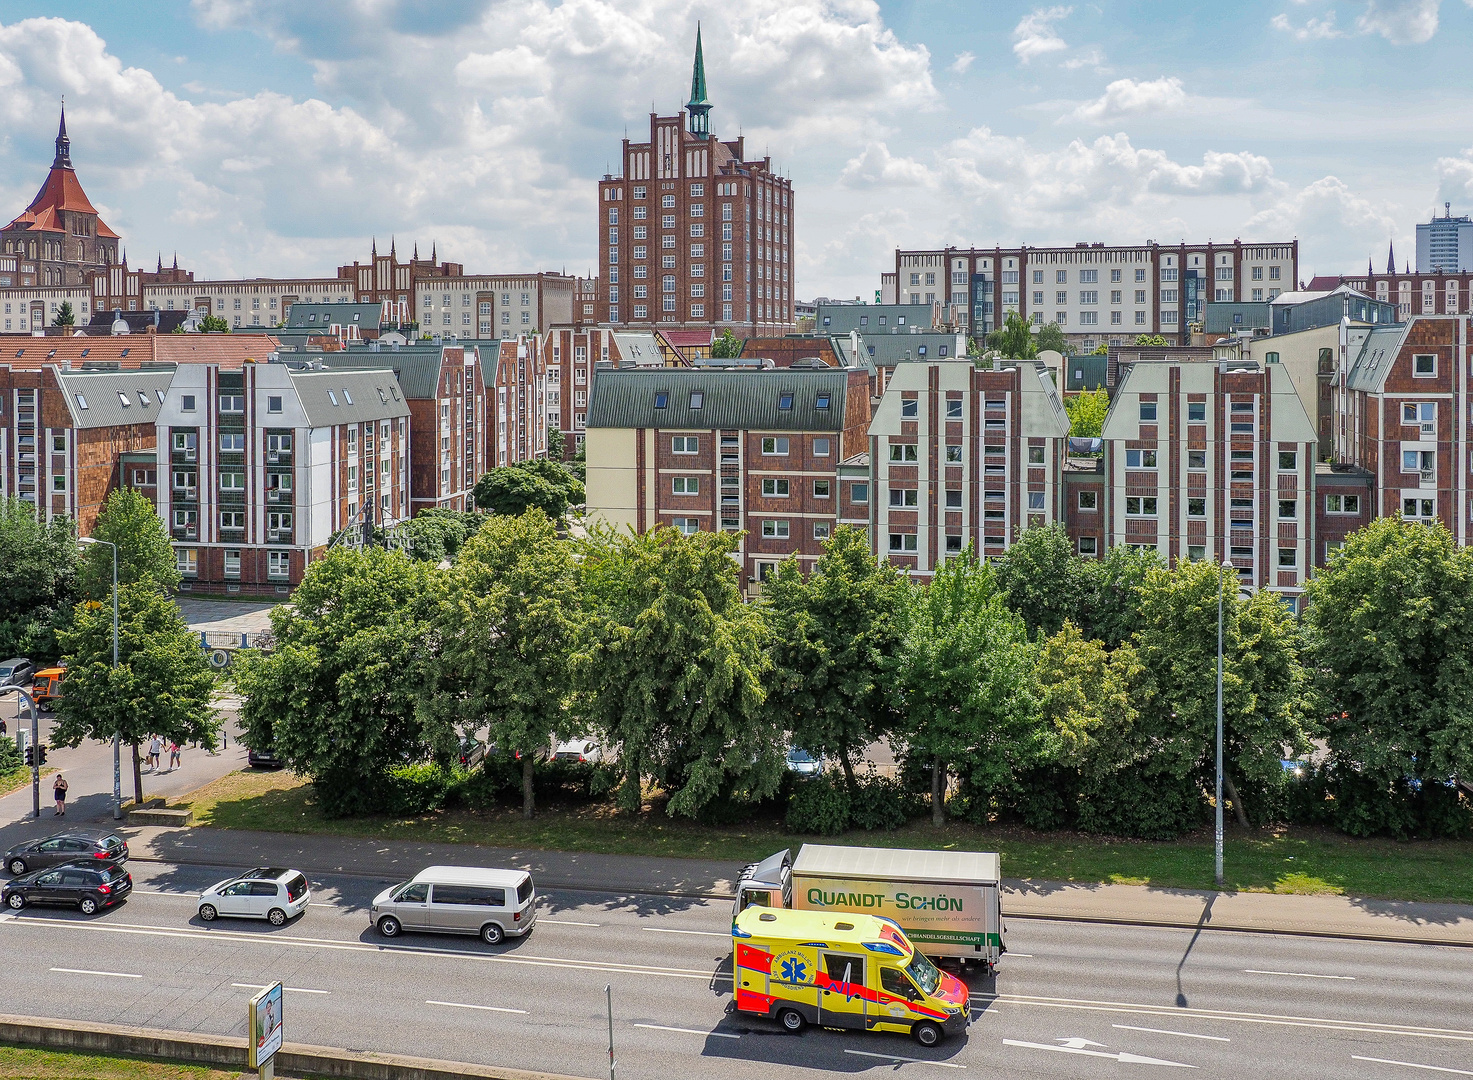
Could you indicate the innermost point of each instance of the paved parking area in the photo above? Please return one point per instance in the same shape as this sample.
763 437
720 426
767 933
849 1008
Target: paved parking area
226 616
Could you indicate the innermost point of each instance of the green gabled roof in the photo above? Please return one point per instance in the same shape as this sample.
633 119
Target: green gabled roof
418 371
731 400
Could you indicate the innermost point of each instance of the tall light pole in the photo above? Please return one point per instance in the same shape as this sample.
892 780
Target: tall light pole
117 741
1227 568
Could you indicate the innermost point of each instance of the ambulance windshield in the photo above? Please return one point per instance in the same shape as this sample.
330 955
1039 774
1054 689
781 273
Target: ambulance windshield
923 973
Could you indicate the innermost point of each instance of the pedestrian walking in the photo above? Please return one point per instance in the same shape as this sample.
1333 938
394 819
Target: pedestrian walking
58 791
156 750
173 756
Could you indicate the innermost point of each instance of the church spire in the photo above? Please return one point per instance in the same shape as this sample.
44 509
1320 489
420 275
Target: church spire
63 158
698 107
1390 257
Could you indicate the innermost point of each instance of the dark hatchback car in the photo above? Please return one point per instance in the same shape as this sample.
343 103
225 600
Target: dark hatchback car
74 845
263 759
88 886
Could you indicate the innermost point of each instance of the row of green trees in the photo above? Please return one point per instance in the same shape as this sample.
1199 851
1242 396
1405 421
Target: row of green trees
56 604
1041 688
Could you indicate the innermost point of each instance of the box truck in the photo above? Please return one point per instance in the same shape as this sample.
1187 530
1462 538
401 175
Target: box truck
947 902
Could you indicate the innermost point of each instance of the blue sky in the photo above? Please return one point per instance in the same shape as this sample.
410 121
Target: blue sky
260 137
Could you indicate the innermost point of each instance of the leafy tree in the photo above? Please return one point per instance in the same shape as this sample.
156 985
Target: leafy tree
65 316
336 697
161 686
727 347
1102 349
1087 410
964 683
506 627
1014 339
1051 337
513 489
214 324
438 532
671 668
836 639
1390 630
38 584
556 444
578 466
1114 614
1044 582
1151 339
1264 684
130 521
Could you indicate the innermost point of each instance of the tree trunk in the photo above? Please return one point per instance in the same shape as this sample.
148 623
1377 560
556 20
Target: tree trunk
848 767
528 803
938 792
1232 793
137 778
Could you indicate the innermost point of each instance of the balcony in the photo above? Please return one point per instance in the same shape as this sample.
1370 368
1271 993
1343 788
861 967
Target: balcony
277 495
279 536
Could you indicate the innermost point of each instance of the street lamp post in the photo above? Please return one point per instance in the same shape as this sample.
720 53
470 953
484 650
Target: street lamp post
1227 567
117 740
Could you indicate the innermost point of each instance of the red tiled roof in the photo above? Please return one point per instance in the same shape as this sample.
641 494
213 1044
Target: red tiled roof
131 350
682 338
61 191
1324 283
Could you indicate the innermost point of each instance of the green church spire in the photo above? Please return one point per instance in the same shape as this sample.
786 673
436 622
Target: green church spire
698 108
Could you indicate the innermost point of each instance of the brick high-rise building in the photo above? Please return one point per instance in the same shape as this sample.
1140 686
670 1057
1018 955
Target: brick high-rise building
691 234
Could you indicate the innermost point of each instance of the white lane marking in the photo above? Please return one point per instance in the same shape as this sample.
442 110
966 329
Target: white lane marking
1297 974
85 971
697 933
689 1031
236 938
1025 955
288 989
482 1008
565 922
1163 1031
1123 1058
1412 1065
897 1059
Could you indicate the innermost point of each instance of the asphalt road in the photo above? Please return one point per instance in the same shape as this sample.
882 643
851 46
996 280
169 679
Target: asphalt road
1070 1000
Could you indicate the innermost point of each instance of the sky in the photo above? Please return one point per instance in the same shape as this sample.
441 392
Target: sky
276 137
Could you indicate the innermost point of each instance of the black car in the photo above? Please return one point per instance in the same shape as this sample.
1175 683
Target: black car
90 886
17 671
262 759
74 845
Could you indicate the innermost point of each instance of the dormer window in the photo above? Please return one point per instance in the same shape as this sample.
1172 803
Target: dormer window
821 402
124 399
785 402
347 396
697 398
662 400
332 397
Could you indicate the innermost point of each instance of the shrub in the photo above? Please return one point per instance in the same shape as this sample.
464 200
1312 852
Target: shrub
1404 808
882 802
819 805
418 789
1130 803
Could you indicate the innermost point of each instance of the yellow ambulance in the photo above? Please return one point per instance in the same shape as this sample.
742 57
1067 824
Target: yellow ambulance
837 969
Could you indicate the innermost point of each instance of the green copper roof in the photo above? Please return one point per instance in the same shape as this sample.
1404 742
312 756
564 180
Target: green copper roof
698 75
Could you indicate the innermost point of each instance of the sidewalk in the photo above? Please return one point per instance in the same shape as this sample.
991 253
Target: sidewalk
1333 916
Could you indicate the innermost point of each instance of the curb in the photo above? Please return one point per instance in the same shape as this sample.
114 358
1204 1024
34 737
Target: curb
229 1051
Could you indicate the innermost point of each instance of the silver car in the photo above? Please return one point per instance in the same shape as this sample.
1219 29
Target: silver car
495 904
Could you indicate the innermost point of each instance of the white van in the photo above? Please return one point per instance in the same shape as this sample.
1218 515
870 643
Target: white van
495 904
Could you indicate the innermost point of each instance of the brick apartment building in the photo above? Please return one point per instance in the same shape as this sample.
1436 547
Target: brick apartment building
704 449
264 464
960 455
1416 292
569 354
444 387
1209 461
692 234
516 429
63 434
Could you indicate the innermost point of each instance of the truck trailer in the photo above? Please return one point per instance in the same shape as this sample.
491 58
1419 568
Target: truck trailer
947 902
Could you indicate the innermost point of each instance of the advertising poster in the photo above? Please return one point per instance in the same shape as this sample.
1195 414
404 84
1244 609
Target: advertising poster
265 1025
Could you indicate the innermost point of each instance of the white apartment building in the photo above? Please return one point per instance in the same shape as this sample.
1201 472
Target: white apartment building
493 306
260 302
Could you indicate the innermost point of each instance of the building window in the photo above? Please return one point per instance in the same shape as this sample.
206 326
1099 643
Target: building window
775 444
902 542
1196 459
1035 455
1418 508
910 408
776 530
232 562
859 492
775 487
1196 508
1139 506
1288 558
684 444
1089 500
1288 460
1036 500
187 561
686 526
821 530
953 453
1148 411
1140 459
278 564
1288 508
821 489
903 452
1140 318
954 409
1424 366
904 497
821 447
1196 410
1342 504
953 498
1088 545
685 485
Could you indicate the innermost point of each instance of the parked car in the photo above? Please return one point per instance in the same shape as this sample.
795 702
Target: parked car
578 750
803 763
263 759
495 904
472 752
46 687
17 671
74 845
267 892
90 886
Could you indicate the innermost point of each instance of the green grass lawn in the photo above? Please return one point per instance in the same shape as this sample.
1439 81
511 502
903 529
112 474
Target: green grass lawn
1269 860
17 1063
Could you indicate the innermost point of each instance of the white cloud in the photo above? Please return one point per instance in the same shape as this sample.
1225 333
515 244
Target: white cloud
1312 30
1401 22
962 62
1091 58
1340 222
1127 97
1035 36
876 166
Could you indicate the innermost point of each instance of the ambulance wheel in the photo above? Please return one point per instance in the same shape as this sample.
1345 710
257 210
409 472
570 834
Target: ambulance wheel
926 1033
791 1020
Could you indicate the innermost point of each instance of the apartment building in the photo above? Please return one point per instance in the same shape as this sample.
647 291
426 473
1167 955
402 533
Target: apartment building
495 305
749 451
569 354
1095 292
516 428
62 434
1209 461
443 385
1401 414
960 455
265 464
